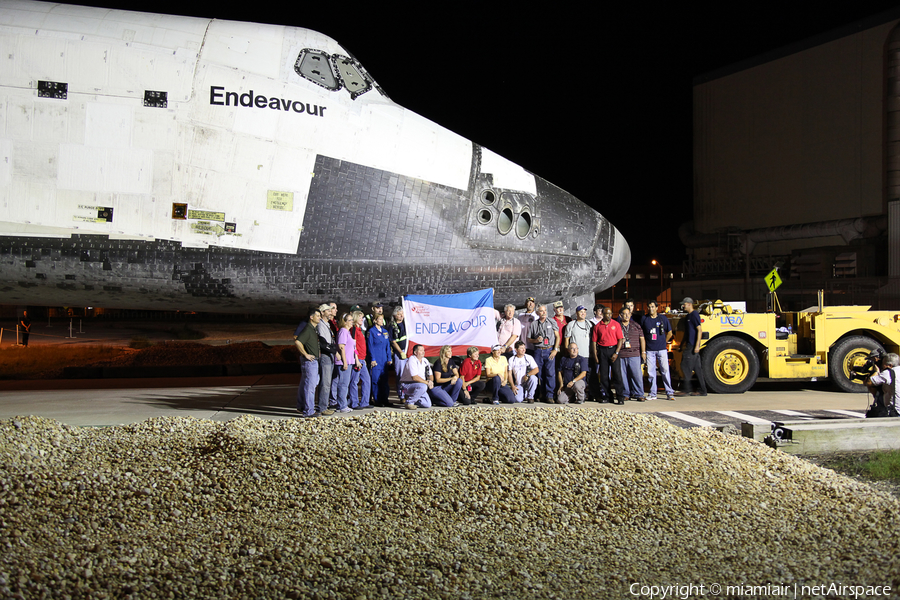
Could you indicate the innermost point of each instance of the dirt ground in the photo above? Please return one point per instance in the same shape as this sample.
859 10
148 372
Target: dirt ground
195 353
137 343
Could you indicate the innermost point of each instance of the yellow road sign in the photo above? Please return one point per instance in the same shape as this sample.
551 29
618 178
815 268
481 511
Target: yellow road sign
773 280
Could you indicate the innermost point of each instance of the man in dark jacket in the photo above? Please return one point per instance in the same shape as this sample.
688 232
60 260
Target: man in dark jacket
690 348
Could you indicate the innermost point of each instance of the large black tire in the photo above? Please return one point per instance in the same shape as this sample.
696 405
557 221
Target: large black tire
848 352
730 365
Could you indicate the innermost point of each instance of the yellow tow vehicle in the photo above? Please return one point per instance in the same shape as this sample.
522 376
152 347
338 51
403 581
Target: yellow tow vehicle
738 347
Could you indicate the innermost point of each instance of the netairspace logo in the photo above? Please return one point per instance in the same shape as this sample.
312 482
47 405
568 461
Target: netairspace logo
770 590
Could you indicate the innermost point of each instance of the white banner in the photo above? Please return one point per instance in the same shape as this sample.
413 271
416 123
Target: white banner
457 320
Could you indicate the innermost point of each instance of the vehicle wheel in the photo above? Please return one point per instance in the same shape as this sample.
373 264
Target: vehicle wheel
847 353
730 365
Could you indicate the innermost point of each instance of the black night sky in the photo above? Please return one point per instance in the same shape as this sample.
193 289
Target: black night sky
597 102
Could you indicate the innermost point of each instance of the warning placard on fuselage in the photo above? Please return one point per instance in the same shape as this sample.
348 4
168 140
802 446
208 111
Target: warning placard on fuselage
280 200
206 215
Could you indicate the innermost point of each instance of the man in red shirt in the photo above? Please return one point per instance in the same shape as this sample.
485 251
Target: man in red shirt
606 341
561 319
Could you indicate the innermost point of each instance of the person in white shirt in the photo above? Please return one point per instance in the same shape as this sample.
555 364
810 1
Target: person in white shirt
416 379
510 330
523 375
526 318
579 331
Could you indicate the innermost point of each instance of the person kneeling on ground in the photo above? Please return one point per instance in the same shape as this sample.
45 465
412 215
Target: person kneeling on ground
447 383
573 370
470 373
415 381
496 368
523 372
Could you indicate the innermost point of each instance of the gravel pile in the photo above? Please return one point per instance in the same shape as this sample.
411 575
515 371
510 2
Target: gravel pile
471 503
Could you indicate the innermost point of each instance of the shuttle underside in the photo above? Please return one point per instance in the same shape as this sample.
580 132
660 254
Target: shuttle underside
368 235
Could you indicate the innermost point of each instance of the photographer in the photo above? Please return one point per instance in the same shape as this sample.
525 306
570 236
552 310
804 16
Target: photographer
885 404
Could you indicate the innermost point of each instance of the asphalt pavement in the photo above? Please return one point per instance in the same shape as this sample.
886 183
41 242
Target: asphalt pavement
105 402
272 395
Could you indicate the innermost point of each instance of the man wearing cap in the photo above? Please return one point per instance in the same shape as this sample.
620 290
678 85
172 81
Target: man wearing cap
327 348
510 330
561 319
307 342
606 341
690 348
544 336
579 332
526 318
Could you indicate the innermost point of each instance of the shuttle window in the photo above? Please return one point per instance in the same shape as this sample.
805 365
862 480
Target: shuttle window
505 222
333 72
315 66
355 80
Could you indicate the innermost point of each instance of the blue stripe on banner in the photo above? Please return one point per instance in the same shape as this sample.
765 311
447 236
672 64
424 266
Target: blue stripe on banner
466 300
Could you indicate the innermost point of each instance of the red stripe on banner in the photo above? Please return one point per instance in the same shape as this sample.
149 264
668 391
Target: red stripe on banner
436 350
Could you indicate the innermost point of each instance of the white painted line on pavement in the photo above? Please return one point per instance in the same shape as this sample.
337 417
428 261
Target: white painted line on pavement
849 413
743 417
792 413
689 419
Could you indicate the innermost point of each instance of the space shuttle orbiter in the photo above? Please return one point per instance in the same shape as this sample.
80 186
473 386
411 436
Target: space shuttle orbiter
164 162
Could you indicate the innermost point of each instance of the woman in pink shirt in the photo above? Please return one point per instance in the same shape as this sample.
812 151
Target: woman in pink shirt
344 361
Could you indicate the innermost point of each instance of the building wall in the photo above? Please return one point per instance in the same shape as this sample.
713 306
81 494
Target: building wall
796 140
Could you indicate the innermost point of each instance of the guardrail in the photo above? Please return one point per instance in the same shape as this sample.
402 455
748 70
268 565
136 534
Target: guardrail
23 334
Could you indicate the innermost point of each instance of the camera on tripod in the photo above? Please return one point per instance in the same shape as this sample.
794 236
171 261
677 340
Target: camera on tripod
867 369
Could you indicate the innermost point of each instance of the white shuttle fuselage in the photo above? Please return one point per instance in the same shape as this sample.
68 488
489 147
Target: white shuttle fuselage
155 161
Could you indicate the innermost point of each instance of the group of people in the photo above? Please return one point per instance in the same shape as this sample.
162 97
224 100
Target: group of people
344 362
562 359
613 350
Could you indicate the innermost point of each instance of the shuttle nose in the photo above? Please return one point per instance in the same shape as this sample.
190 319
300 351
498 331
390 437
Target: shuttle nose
513 209
621 259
